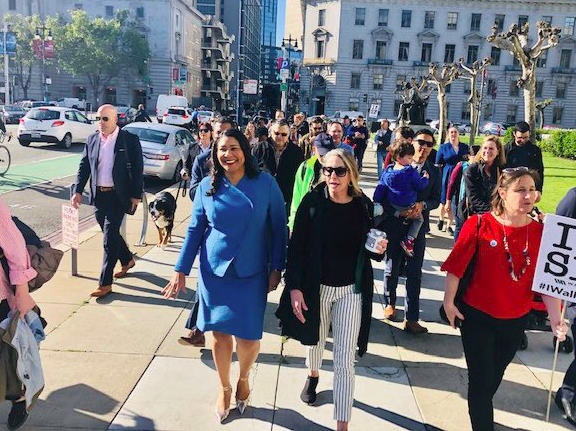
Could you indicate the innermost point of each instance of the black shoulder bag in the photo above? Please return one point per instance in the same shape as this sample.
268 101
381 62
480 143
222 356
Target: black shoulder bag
465 280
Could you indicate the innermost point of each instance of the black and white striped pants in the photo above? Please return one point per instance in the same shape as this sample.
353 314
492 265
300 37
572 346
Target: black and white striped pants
341 307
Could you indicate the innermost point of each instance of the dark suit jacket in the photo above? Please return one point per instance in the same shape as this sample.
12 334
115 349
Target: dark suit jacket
200 168
125 189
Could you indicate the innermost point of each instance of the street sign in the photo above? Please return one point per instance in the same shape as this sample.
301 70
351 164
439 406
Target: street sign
10 42
183 73
284 73
250 86
283 87
70 226
374 109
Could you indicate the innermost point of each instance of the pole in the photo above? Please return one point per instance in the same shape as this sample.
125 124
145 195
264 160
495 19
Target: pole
284 92
6 69
240 68
564 305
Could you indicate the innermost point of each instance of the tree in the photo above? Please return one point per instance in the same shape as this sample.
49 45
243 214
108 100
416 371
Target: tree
101 49
24 60
441 79
475 99
540 107
516 42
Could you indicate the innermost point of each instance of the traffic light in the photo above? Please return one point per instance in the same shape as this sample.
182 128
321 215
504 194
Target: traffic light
365 98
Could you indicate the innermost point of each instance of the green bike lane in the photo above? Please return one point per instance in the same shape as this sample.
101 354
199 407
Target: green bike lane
38 172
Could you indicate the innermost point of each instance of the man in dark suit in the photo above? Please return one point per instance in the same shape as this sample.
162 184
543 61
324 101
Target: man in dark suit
393 224
112 161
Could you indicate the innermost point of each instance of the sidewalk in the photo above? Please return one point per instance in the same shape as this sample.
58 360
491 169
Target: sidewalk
115 363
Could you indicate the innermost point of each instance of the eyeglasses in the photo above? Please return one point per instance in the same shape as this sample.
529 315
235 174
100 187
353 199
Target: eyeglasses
339 171
102 119
204 131
424 142
519 168
280 134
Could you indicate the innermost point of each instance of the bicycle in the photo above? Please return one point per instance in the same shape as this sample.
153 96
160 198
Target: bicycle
5 158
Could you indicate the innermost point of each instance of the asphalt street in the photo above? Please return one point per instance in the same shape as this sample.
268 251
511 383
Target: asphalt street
38 183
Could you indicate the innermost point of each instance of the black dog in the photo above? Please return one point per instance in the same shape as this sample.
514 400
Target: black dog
162 209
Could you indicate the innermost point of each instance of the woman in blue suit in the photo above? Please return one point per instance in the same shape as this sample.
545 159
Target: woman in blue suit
239 224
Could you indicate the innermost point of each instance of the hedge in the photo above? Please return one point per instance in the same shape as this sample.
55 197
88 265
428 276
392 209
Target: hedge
561 143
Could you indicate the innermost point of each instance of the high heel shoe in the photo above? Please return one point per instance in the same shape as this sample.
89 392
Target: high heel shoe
242 404
221 416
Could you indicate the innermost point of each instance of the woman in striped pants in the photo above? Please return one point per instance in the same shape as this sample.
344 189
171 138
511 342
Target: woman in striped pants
329 278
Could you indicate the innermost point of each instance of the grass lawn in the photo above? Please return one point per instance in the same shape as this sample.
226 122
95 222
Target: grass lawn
559 177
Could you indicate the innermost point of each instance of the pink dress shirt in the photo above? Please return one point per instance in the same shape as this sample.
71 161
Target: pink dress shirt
106 159
14 248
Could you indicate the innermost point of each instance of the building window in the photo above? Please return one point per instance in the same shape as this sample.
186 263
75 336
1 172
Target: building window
495 55
321 17
542 60
491 88
382 17
380 49
561 90
487 111
557 115
140 12
360 15
426 52
539 88
429 17
78 6
514 90
467 86
403 51
12 5
499 22
449 53
511 113
547 19
406 18
522 19
319 49
472 54
569 26
400 79
378 81
565 57
475 22
449 88
452 20
355 80
397 104
357 49
465 114
354 105
109 11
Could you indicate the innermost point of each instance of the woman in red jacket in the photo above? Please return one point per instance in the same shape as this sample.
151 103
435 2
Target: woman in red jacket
494 308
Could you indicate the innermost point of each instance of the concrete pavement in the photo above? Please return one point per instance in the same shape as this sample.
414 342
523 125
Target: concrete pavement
115 363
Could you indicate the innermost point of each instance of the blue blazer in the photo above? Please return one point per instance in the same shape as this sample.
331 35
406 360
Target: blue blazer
243 224
125 189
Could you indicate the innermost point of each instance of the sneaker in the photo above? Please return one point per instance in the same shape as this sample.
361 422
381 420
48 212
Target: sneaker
17 416
450 231
308 394
440 225
407 245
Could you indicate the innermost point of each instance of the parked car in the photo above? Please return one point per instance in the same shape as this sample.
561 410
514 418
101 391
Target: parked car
165 101
178 116
29 104
463 127
71 102
11 114
61 126
339 115
126 115
205 116
493 129
164 148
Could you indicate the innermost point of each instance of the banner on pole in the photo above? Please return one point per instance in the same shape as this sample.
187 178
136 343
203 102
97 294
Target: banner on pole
556 268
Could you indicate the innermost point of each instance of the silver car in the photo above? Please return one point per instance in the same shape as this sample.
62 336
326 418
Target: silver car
164 148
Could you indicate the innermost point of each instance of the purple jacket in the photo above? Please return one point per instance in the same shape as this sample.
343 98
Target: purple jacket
400 187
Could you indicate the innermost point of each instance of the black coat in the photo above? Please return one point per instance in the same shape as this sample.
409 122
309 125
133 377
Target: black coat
528 155
479 187
285 172
304 269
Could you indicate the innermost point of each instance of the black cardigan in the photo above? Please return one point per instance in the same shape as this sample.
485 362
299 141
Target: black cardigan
304 269
479 187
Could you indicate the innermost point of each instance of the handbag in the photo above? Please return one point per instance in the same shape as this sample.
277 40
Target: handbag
465 280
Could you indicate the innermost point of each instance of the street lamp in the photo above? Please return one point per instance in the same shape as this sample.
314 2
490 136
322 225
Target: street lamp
43 34
284 75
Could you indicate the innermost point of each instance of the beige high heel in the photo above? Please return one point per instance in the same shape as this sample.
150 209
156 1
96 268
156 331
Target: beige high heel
242 404
223 415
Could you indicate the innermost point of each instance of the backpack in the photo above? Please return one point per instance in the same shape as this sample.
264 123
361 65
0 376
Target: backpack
43 258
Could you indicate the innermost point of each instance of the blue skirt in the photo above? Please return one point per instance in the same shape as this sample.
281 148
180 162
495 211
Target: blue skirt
231 304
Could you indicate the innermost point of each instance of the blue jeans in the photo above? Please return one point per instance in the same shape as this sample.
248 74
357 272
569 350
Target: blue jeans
380 158
457 221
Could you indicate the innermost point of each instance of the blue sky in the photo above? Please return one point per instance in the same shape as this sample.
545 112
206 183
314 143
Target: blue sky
280 22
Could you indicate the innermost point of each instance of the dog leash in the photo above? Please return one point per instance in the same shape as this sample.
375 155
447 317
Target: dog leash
184 189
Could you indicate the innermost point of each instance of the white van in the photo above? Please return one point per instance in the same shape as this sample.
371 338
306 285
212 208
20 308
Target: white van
339 115
166 101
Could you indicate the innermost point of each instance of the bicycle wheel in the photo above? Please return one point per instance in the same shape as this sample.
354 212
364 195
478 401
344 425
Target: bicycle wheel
5 160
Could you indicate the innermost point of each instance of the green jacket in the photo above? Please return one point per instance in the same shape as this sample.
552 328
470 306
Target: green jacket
303 184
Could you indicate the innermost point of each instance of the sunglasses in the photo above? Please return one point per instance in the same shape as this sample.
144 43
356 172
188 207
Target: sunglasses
102 119
339 171
204 131
280 134
424 142
519 168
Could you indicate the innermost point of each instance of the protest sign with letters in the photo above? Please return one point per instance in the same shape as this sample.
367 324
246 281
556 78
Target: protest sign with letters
556 268
70 235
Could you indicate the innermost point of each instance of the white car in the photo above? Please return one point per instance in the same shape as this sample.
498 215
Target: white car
164 148
493 129
167 100
178 116
205 116
55 125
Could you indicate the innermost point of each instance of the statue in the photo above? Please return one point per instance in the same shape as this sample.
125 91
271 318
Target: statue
415 100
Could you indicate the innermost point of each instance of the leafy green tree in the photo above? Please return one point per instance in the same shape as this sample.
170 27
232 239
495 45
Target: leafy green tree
100 49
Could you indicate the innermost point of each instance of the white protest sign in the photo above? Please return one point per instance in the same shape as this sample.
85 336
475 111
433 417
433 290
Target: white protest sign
70 226
374 109
556 268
